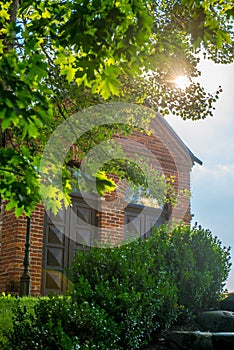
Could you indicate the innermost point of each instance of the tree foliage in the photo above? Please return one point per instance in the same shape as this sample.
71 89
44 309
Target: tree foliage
58 57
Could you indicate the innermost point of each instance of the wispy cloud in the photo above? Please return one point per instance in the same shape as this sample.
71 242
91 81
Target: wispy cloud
212 141
218 179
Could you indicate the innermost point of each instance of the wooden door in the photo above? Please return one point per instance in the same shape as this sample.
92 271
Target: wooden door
70 230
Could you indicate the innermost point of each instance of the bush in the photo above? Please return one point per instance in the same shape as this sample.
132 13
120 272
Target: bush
123 296
59 323
145 285
131 283
200 266
7 306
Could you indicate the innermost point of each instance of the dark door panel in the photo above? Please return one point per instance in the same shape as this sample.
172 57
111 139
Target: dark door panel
70 230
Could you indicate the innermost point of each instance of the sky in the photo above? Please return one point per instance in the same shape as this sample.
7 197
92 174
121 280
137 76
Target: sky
212 141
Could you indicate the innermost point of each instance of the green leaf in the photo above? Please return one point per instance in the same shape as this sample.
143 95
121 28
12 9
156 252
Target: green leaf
70 72
104 184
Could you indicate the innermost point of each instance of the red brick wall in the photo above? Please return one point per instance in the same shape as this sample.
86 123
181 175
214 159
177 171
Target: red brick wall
12 251
169 157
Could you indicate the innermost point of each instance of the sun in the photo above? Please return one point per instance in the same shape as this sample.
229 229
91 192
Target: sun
182 82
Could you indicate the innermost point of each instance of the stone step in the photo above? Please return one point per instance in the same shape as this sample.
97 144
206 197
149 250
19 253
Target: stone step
216 321
228 302
196 340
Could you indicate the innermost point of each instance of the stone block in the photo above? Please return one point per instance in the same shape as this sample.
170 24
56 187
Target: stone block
216 321
228 303
186 340
224 341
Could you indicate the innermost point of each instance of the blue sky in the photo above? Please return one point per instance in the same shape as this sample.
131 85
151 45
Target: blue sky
212 141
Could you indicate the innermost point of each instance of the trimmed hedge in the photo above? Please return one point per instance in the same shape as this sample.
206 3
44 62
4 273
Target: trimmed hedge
122 297
59 323
8 304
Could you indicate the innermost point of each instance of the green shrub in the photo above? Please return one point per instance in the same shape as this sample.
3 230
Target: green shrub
145 285
200 266
132 284
7 306
123 296
59 323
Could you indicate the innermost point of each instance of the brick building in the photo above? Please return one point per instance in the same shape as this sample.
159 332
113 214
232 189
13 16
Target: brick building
55 239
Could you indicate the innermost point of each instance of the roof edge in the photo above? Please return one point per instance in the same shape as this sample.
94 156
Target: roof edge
181 142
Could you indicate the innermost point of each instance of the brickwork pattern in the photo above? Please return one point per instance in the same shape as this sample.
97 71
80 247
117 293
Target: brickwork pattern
171 158
13 246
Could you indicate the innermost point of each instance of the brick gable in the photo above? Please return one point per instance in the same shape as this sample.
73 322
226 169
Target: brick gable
168 155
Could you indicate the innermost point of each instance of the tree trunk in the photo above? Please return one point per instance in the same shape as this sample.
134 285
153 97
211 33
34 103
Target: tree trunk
13 17
14 10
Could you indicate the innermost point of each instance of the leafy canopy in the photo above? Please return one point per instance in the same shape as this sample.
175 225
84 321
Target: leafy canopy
58 57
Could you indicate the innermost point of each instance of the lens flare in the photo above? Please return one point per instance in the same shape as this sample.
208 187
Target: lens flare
182 82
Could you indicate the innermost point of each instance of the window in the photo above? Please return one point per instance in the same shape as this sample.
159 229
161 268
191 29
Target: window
142 197
139 220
